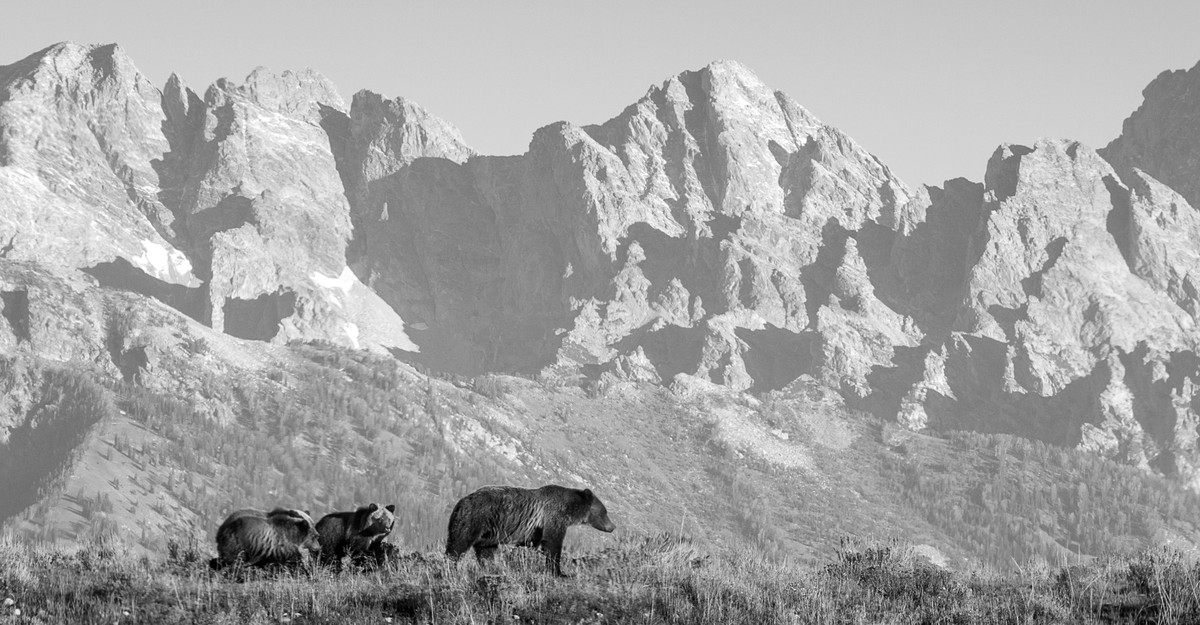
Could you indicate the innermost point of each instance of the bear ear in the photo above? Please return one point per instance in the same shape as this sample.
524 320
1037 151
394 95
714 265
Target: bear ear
587 494
391 507
373 507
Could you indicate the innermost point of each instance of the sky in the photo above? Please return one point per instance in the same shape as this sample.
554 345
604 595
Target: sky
931 88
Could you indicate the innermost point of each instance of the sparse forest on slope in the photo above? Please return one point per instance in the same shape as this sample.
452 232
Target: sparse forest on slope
337 428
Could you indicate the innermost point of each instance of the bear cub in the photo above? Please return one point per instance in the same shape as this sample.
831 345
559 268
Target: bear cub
280 537
358 534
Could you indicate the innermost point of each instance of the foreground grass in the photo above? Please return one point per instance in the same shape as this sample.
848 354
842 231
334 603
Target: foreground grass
640 580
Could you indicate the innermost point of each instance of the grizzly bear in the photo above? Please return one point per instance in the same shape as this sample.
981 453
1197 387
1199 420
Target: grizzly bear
500 515
357 534
280 537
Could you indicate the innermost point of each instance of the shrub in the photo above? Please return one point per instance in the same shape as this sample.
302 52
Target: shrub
195 345
490 386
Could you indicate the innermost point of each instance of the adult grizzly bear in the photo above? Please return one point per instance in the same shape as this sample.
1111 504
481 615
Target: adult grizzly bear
502 515
357 534
279 537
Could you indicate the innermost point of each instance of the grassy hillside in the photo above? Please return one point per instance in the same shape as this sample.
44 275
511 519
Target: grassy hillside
660 579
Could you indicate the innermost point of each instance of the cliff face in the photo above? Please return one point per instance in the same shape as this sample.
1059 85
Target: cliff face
228 207
1162 137
690 226
713 231
79 135
1069 328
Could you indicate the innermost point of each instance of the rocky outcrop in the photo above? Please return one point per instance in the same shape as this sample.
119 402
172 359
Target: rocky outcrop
262 209
1051 278
858 332
227 203
929 262
80 129
1159 242
1068 310
1162 137
69 317
686 225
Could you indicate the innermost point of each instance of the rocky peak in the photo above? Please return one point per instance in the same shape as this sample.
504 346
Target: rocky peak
245 146
1051 264
76 68
383 137
1024 237
1162 137
712 213
1075 307
229 207
744 147
403 130
264 212
297 94
1160 244
79 175
97 80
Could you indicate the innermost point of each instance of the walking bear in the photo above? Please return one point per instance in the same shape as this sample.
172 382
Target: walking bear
357 534
279 537
506 515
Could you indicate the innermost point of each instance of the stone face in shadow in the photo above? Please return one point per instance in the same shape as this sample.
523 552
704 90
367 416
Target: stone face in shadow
120 274
672 350
976 372
16 312
1162 137
259 318
889 383
818 277
776 357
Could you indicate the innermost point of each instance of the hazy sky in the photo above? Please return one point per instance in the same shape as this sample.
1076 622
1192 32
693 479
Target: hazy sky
931 88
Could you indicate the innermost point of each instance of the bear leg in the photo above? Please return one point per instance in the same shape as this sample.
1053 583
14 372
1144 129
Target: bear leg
535 539
552 542
461 537
458 545
485 552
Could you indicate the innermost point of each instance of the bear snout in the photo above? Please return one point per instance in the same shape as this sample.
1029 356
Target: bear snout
312 543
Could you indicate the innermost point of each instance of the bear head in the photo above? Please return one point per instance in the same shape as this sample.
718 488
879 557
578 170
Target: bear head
298 527
376 521
597 515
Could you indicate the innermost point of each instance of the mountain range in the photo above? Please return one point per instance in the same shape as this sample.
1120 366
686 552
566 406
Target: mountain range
712 307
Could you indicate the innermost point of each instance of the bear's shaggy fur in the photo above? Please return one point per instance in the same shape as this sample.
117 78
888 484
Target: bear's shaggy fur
358 534
279 537
500 515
